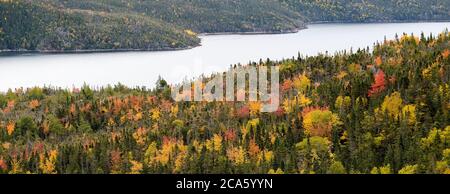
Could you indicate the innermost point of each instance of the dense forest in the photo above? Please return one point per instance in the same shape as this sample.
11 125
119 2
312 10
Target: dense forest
38 25
381 110
57 25
202 16
371 10
61 25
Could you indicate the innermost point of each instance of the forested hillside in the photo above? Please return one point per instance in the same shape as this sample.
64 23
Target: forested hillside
205 16
42 26
60 25
371 10
381 111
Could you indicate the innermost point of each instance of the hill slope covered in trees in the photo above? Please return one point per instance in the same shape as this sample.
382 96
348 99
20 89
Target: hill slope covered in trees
148 25
380 111
371 10
61 25
42 26
205 16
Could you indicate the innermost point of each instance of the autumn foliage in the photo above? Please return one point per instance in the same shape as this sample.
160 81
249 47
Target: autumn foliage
379 85
319 121
331 119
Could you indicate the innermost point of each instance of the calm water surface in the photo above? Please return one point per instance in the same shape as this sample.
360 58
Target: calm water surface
216 54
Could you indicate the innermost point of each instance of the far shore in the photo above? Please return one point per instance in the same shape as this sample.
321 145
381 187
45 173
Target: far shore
253 33
24 52
87 51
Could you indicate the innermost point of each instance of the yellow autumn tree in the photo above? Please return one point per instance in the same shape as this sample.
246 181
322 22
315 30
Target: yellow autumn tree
409 38
278 171
252 124
354 68
16 166
392 105
174 111
236 155
341 75
150 154
427 73
408 169
268 155
409 112
287 106
429 141
140 135
190 32
302 82
254 107
299 101
164 155
180 158
303 101
48 165
342 102
155 114
138 116
217 140
381 170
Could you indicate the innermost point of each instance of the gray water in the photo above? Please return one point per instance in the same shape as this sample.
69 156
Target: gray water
216 54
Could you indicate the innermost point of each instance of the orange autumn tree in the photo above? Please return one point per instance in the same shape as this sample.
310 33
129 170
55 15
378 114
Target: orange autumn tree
379 85
136 167
446 53
34 104
378 61
3 165
10 127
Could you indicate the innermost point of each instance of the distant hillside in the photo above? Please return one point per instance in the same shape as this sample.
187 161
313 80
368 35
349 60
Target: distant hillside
371 10
57 25
41 26
62 25
204 15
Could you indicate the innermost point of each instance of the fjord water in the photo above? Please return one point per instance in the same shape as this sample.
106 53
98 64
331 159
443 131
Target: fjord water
216 54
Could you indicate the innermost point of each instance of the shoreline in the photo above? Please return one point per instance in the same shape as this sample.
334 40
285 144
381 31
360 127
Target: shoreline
5 53
379 22
254 33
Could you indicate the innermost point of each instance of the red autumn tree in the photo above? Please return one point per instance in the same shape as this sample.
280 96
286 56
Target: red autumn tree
379 85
